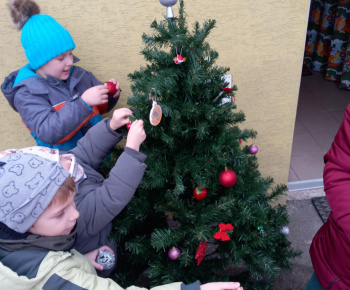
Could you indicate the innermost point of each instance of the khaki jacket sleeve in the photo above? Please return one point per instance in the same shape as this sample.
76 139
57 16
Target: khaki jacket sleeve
73 269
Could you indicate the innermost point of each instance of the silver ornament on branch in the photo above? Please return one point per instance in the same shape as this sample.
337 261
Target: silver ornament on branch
284 230
168 4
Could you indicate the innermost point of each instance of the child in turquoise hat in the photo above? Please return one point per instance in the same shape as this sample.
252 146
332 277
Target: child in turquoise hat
57 101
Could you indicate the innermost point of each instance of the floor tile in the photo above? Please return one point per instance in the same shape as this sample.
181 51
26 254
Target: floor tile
305 92
299 128
321 121
308 167
310 106
304 144
338 114
334 102
324 139
292 176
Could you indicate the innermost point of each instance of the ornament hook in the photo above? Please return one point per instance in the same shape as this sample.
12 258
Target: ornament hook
151 97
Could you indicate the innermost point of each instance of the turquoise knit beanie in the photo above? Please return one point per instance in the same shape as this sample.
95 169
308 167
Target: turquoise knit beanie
43 38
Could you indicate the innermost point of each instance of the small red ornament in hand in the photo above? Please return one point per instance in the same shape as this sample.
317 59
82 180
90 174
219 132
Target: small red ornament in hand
228 177
111 87
200 193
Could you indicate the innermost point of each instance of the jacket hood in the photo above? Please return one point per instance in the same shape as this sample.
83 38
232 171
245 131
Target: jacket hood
27 77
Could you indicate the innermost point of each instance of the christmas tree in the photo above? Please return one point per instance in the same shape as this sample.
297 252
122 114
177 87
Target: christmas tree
202 211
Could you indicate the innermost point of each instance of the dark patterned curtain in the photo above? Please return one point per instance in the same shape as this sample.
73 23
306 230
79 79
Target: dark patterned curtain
327 46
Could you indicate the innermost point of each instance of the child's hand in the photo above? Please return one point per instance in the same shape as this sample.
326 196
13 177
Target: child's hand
136 135
120 118
96 95
93 255
221 286
117 86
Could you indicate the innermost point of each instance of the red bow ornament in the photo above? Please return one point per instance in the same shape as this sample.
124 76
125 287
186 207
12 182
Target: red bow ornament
221 234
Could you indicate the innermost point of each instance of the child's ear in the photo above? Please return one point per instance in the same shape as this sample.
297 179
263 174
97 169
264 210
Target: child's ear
30 230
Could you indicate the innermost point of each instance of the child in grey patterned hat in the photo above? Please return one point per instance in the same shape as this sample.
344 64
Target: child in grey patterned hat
37 190
38 227
28 183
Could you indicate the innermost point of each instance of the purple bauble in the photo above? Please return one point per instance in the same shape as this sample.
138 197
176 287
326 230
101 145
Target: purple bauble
174 253
253 149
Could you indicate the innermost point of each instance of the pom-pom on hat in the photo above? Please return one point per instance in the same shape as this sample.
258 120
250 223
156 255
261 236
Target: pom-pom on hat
29 180
42 37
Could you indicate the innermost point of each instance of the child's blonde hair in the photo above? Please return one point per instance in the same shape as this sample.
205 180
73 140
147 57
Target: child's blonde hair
66 190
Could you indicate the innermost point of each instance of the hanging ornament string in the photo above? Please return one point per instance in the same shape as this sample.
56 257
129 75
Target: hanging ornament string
178 58
221 234
155 115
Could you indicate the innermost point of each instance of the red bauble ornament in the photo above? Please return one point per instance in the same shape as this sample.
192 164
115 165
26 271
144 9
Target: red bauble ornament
111 87
128 126
253 149
200 193
174 253
228 177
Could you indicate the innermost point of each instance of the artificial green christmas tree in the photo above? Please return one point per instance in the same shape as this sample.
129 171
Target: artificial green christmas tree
202 210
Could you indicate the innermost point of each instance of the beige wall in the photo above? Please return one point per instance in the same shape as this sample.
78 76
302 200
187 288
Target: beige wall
261 41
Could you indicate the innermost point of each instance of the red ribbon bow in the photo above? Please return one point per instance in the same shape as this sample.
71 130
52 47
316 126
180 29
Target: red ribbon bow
227 89
221 235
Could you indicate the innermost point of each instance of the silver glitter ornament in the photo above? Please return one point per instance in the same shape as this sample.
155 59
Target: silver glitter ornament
168 4
106 259
285 231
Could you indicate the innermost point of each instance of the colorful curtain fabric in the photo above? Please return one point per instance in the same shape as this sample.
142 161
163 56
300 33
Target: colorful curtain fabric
327 46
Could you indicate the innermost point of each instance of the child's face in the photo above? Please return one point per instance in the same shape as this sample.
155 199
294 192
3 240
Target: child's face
57 220
58 67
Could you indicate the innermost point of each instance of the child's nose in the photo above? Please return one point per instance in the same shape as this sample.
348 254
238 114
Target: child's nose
69 60
75 214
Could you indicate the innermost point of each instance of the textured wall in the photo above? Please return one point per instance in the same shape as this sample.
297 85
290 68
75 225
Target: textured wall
261 41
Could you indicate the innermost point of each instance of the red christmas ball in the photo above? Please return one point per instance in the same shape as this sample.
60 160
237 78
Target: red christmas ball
228 178
111 87
253 149
200 193
128 126
174 253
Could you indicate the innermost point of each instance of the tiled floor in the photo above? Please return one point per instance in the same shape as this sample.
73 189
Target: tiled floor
321 107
